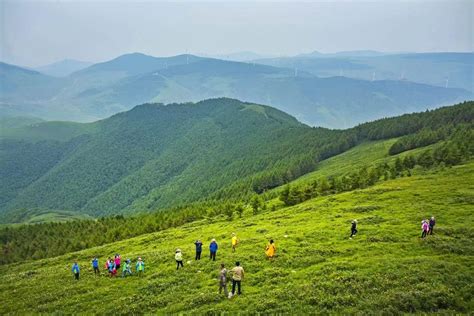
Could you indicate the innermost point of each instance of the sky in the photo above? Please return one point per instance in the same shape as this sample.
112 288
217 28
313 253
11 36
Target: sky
34 33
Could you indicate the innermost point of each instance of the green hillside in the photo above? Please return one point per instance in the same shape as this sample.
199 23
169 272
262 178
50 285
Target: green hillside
156 156
385 268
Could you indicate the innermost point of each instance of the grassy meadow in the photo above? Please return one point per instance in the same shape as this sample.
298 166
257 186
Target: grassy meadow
386 268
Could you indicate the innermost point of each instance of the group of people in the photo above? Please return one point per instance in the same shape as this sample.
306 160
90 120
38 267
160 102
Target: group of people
113 265
427 226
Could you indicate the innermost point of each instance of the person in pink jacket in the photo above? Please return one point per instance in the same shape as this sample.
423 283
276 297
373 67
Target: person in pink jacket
424 228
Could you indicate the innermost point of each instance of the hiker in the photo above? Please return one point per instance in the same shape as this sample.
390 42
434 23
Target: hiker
237 277
198 244
234 241
223 280
270 249
140 266
117 261
112 268
354 228
424 228
95 266
76 270
106 265
432 224
213 249
127 268
178 256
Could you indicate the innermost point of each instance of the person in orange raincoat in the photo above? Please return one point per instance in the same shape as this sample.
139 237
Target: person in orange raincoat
270 249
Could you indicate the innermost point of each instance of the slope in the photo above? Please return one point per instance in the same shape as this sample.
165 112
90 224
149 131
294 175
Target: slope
386 267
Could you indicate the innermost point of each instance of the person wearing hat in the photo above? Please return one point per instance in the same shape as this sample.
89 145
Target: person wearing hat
235 241
213 249
140 266
178 256
354 228
432 224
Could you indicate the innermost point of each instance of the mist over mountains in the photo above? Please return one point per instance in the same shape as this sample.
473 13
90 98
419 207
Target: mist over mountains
305 87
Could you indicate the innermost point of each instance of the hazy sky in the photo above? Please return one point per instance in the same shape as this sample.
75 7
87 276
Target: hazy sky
33 33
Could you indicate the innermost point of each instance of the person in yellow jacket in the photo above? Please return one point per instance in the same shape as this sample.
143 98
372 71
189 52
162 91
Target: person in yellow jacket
270 249
235 241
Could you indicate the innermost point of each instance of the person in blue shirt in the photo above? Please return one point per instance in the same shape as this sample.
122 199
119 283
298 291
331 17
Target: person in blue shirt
198 244
213 248
76 270
95 266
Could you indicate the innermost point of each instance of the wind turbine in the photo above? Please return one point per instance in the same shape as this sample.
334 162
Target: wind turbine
447 81
373 76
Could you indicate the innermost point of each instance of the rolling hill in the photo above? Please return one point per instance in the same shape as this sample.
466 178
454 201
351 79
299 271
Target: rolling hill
386 267
63 68
106 88
158 156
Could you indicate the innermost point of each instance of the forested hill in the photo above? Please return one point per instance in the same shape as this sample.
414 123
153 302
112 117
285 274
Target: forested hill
158 156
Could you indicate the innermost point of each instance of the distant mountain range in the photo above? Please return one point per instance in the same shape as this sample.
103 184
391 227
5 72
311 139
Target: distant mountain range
455 70
63 68
104 89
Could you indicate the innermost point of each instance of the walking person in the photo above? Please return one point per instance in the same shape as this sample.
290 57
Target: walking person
127 268
76 270
234 241
237 277
198 245
140 267
424 228
213 249
432 224
223 280
178 256
353 228
112 268
95 266
270 250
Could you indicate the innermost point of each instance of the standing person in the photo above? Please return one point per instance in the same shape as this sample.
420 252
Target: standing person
354 228
270 249
107 263
140 267
235 241
95 266
237 277
432 225
424 228
198 244
76 270
213 249
178 256
127 268
223 280
117 261
112 268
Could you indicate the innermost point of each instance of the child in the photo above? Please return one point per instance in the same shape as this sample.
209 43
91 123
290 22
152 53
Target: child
126 269
140 267
76 270
112 268
178 256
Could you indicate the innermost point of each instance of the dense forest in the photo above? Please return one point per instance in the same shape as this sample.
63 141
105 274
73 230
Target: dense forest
156 157
456 146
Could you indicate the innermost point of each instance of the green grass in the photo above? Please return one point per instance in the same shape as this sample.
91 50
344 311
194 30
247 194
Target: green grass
386 268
